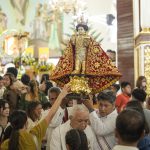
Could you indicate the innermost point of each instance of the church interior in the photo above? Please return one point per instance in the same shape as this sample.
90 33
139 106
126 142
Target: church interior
83 47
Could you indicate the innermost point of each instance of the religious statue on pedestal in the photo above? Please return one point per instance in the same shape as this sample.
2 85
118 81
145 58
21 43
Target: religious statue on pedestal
85 65
80 42
20 9
38 28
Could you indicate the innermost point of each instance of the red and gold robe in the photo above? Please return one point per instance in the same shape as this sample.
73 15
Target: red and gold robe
99 68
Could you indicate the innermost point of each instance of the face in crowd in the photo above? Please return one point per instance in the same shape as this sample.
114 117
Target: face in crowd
6 81
4 111
80 120
52 97
105 108
127 90
144 83
38 111
106 103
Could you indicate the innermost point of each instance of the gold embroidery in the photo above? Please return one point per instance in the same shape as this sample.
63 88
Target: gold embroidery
97 65
102 72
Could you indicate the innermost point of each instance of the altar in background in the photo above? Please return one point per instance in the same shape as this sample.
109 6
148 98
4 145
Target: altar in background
51 22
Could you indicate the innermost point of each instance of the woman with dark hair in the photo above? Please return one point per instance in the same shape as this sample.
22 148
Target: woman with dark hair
33 95
25 79
45 77
76 140
141 82
8 79
4 114
45 84
20 138
10 95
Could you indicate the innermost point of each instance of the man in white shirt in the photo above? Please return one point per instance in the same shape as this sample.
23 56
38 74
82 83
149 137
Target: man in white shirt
103 123
79 119
130 126
53 93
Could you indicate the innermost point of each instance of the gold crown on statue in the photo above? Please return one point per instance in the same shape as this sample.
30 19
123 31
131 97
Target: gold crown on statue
82 20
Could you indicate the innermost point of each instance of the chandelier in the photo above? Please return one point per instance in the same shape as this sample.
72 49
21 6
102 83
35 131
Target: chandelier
67 6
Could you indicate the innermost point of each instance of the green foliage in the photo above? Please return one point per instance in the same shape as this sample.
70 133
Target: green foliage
26 60
42 67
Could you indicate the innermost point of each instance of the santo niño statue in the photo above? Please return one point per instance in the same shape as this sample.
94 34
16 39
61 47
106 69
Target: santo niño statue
80 42
84 57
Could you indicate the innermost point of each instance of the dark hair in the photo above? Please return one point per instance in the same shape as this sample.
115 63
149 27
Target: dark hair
116 86
7 133
111 51
76 140
1 78
130 125
2 104
82 25
54 90
45 77
12 70
46 105
30 109
17 119
124 84
32 85
139 94
136 105
139 81
48 86
25 79
107 96
11 77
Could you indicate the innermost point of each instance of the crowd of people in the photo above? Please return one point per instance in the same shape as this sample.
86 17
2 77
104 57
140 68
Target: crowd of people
41 116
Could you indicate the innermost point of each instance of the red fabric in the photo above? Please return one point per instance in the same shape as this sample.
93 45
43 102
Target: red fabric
121 102
99 68
65 118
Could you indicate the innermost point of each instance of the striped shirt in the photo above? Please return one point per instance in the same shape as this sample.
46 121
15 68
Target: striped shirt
104 129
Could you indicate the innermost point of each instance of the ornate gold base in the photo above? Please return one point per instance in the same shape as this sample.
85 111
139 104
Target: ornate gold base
79 85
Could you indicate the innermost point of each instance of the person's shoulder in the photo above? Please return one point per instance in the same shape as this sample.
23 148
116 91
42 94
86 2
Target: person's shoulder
146 111
4 145
89 131
144 143
112 116
24 134
120 95
63 127
88 128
